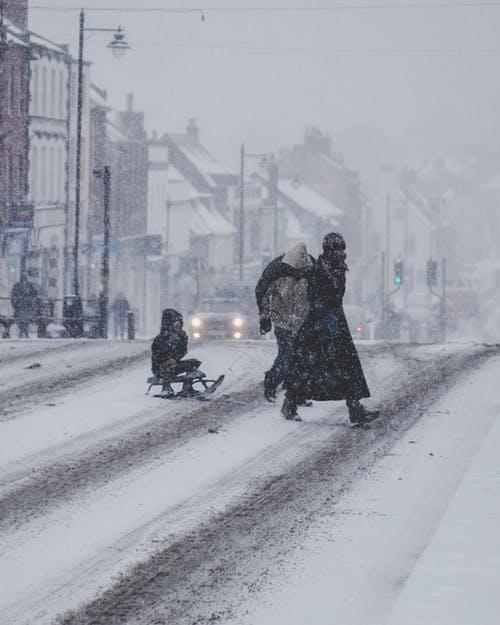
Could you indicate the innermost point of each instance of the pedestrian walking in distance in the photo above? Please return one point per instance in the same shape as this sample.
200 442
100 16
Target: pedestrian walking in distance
120 307
325 364
27 306
281 295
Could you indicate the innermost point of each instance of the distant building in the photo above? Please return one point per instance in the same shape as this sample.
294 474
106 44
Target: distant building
314 164
197 165
14 138
49 161
128 159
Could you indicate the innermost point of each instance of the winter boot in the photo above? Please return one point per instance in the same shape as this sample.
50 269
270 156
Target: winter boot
358 414
167 391
289 410
269 390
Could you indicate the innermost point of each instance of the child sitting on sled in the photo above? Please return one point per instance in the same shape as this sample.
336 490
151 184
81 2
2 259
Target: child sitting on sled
168 349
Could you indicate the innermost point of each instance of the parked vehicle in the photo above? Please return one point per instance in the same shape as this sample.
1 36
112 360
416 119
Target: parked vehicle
357 321
220 318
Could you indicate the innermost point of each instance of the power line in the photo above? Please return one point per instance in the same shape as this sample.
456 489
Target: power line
309 49
388 6
319 50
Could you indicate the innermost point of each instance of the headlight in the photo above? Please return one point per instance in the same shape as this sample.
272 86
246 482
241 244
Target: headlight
196 322
237 335
196 335
237 322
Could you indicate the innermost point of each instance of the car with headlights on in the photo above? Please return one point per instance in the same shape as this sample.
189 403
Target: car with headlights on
219 318
357 321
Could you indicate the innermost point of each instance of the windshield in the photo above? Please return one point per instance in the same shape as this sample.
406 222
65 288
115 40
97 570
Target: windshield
219 305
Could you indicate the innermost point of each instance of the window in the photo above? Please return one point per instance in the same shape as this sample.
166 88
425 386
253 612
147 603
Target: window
11 176
43 175
20 174
51 175
12 90
61 95
60 174
33 172
35 90
52 92
44 92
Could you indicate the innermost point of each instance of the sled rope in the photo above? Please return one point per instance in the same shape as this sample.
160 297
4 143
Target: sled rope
230 368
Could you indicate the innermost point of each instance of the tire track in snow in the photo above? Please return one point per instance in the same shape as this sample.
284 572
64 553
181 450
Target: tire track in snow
27 393
203 577
29 494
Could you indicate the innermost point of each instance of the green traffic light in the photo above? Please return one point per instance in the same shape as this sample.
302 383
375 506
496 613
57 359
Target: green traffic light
398 280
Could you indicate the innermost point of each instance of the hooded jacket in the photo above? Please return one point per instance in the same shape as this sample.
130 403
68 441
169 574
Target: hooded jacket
281 292
170 344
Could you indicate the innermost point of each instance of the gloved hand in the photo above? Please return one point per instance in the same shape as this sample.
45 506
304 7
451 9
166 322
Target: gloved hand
265 324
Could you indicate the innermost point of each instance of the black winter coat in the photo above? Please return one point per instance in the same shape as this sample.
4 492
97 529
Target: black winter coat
325 362
170 344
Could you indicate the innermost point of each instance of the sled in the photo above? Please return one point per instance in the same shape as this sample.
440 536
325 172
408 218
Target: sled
195 385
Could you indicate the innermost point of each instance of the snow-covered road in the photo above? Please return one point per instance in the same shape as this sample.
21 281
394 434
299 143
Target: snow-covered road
119 507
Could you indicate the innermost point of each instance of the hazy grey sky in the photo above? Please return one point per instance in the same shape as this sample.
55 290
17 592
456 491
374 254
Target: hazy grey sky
262 76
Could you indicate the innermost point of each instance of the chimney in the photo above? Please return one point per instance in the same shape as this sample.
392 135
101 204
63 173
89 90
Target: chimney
16 11
192 129
130 102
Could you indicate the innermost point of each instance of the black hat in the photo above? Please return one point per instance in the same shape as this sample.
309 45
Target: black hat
333 241
169 317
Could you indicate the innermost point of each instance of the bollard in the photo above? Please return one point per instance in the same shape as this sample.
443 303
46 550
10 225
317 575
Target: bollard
130 325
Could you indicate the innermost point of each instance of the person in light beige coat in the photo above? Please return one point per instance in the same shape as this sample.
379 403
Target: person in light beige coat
281 295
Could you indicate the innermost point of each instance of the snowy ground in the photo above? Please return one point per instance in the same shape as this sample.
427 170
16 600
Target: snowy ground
116 507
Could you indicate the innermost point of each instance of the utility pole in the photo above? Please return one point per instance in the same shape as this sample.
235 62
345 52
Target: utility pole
105 174
241 221
442 307
105 253
118 46
383 320
273 200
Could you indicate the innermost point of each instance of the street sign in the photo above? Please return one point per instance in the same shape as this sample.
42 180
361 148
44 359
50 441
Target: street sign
21 215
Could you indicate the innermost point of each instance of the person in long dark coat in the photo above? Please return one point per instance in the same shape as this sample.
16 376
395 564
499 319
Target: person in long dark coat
325 361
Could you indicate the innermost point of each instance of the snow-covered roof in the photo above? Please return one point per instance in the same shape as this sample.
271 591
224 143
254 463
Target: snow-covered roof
181 190
15 34
309 200
97 97
202 160
334 163
41 41
208 221
294 229
114 133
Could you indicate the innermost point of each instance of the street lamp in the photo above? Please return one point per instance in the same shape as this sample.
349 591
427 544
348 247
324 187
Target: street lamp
118 46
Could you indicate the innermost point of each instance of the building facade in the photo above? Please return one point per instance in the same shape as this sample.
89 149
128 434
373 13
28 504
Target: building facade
49 161
15 214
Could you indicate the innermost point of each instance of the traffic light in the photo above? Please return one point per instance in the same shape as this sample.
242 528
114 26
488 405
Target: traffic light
431 273
398 272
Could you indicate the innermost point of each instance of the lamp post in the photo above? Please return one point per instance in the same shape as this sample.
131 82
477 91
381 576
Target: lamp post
118 46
